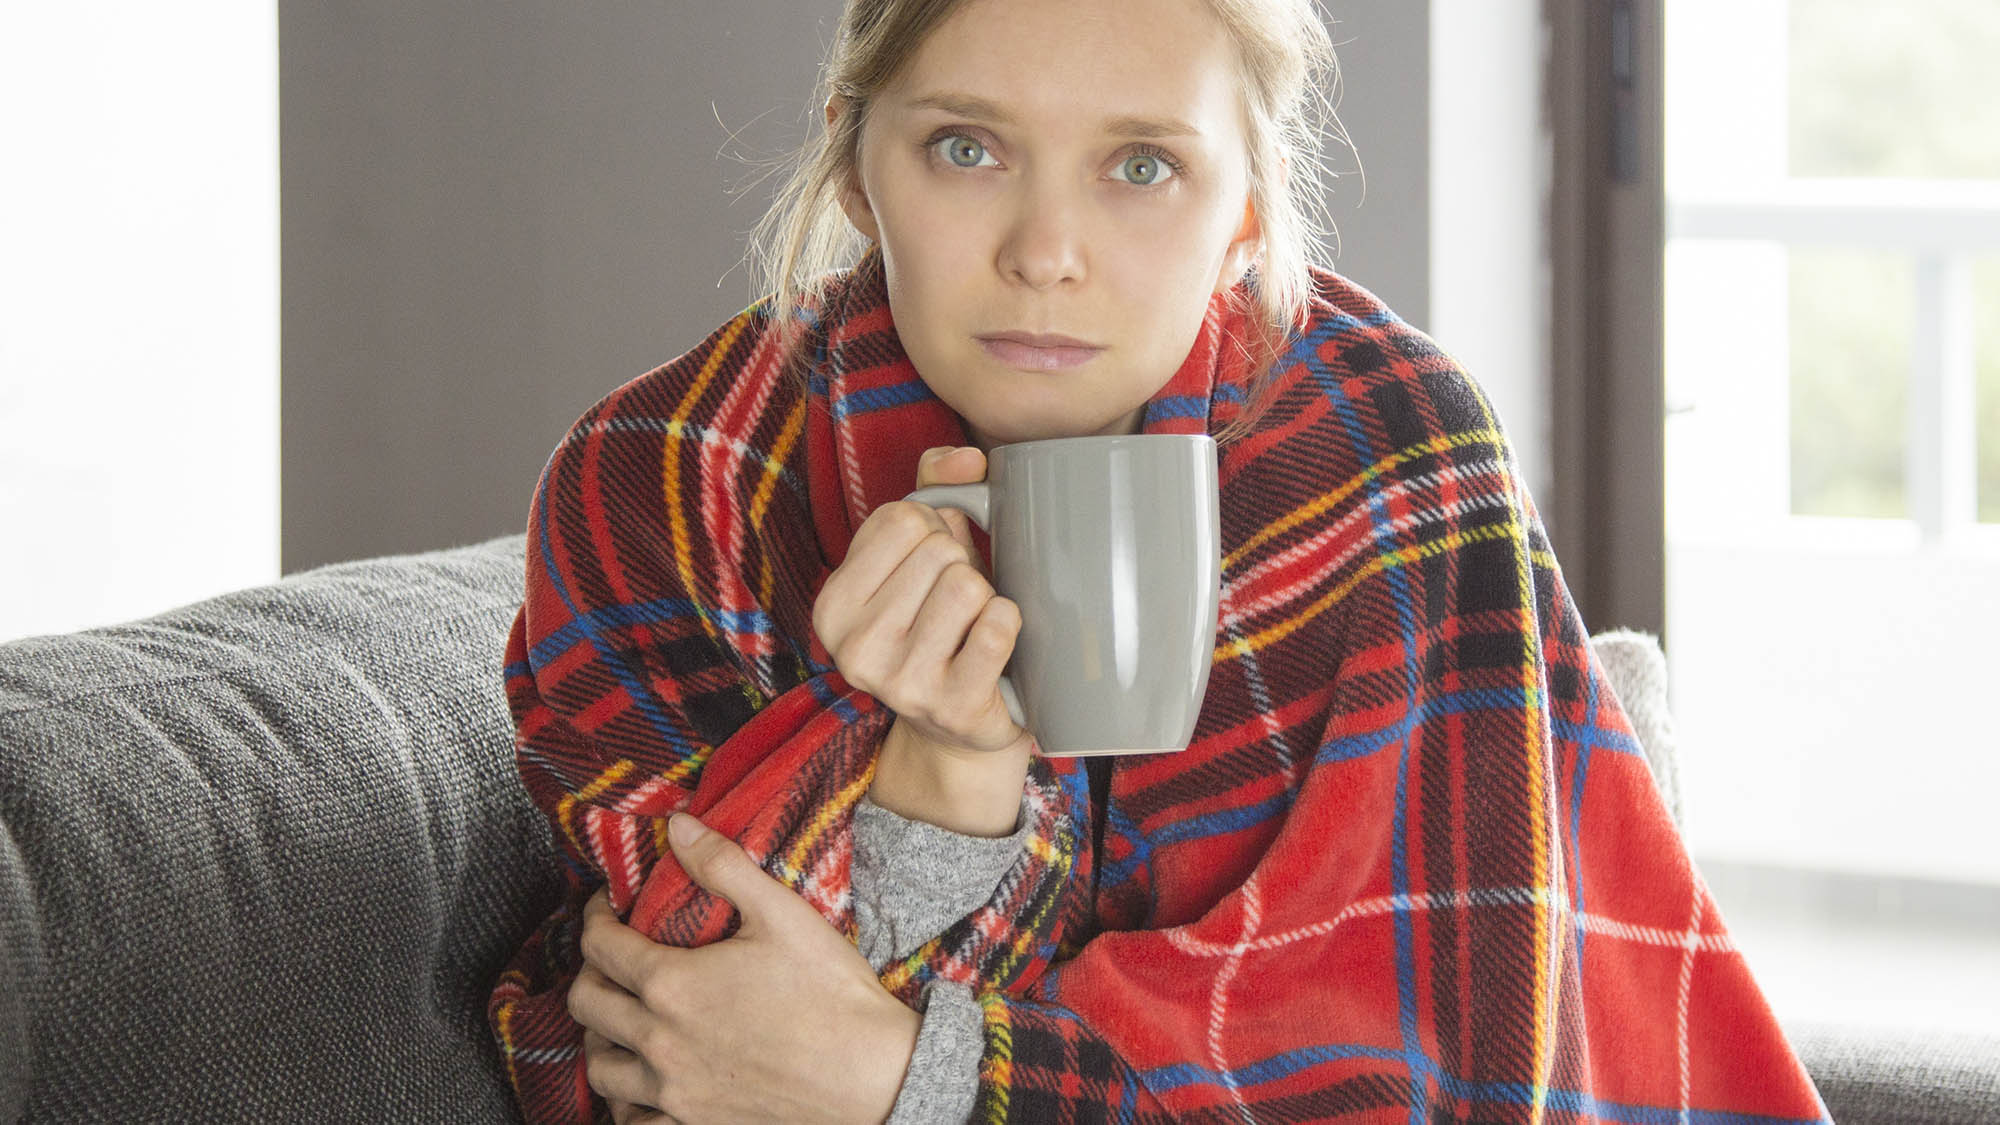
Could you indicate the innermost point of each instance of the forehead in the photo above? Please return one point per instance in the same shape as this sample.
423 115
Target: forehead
1084 62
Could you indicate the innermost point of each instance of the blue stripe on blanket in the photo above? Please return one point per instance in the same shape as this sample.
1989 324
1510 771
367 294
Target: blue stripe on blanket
1176 406
1399 580
754 622
1221 822
880 398
1593 737
839 704
1190 406
1585 745
1121 825
1457 703
635 687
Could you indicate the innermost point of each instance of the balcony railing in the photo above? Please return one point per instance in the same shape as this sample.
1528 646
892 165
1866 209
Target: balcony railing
1943 225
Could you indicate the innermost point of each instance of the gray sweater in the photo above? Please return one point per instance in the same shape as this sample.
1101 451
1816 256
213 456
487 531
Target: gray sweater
911 881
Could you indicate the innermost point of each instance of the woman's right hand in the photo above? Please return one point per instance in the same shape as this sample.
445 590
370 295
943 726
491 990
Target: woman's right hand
911 617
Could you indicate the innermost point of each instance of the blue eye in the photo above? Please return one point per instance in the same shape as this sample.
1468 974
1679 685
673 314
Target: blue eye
964 151
1145 169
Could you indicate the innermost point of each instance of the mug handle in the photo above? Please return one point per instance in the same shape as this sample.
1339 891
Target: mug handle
975 500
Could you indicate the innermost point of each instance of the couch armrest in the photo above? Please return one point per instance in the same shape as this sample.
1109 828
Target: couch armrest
1887 1076
275 849
21 969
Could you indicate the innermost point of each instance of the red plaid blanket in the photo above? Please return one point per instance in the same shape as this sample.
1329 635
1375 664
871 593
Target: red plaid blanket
1412 867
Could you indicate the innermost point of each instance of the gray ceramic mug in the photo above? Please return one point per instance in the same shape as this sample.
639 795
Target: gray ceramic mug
1111 547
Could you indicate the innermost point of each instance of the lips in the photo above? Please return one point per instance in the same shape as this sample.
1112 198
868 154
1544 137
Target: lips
1038 351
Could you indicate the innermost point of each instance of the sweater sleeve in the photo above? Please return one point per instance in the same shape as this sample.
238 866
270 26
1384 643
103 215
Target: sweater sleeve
911 880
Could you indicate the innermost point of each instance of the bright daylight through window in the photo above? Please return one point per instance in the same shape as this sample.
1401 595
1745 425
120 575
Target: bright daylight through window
138 309
1833 445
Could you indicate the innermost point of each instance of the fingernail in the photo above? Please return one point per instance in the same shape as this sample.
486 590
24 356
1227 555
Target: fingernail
683 829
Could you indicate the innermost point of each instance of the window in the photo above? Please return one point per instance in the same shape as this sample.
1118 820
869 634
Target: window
1833 468
138 309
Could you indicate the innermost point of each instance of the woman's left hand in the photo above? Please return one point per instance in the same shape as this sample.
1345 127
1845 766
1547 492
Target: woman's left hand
784 1021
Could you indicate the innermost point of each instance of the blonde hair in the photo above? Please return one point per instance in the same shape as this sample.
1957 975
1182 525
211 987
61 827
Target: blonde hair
1288 78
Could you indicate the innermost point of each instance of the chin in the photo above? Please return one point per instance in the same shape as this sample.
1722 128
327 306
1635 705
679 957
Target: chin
1038 430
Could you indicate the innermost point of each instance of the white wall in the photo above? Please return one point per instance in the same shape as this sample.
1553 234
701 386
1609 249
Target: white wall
1489 165
138 308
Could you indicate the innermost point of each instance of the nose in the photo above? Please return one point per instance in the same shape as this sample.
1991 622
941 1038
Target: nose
1044 243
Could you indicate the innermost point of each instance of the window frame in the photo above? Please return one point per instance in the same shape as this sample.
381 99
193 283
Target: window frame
1605 104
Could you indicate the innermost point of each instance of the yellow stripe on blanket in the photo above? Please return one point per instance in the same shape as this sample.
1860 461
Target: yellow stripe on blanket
1251 644
1373 472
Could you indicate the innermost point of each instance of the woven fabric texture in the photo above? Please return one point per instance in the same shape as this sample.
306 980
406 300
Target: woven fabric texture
271 848
1887 1076
1413 866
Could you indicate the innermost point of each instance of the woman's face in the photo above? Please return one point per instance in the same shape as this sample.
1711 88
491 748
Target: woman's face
1058 186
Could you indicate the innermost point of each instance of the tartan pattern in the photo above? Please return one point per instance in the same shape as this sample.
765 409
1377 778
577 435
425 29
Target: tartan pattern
1412 866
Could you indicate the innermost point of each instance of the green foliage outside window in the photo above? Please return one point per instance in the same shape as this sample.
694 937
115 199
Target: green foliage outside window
1850 343
1908 90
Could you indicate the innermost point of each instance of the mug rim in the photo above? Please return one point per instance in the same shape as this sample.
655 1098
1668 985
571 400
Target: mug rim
1101 439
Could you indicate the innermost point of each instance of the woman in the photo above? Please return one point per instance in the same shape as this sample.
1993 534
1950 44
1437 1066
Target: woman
1411 865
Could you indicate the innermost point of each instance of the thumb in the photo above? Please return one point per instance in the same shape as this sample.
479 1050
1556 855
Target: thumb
718 865
947 464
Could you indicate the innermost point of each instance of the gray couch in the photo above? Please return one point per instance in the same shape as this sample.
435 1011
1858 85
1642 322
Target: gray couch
260 858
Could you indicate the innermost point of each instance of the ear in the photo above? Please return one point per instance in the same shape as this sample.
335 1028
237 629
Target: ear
853 197
1244 246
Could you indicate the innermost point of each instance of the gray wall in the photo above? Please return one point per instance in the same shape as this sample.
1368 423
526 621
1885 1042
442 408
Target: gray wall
492 215
1381 210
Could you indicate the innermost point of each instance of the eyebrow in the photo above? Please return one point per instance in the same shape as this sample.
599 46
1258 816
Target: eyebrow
979 109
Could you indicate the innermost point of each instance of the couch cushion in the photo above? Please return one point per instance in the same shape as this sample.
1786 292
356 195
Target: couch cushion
272 849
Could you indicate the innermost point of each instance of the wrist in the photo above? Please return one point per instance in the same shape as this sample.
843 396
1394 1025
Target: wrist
895 1048
971 792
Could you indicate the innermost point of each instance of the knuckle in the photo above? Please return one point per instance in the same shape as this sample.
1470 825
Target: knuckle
963 583
907 519
865 658
657 993
992 635
656 1047
1005 613
938 549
